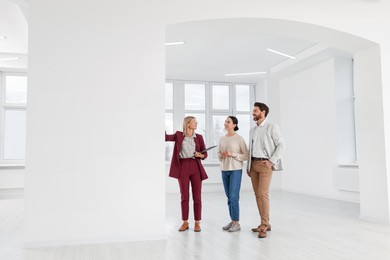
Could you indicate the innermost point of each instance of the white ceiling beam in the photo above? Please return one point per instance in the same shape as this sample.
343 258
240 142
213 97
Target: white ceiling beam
303 55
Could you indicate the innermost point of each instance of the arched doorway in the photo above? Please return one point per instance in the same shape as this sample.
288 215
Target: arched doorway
327 51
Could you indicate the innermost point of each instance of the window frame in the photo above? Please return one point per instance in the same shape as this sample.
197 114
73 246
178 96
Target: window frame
179 110
10 107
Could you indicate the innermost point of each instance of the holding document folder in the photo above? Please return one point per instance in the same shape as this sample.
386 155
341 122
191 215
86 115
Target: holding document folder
186 166
209 148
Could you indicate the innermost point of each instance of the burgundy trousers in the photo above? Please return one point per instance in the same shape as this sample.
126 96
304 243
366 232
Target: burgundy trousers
189 173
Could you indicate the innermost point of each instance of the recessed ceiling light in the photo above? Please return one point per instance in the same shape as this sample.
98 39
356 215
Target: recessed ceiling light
281 53
245 73
3 37
173 43
10 58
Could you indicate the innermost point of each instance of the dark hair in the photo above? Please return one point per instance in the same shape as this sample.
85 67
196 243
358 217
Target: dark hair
262 107
235 121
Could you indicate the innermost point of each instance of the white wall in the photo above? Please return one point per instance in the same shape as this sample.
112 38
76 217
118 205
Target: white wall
96 75
385 77
95 160
11 177
308 116
370 129
309 129
11 182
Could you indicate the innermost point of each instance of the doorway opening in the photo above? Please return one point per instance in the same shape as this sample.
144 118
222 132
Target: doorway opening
314 80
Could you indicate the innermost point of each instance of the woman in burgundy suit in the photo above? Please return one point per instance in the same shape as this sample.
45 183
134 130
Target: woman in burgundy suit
187 168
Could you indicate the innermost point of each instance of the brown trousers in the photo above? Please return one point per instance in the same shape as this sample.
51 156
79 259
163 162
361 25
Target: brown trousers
261 177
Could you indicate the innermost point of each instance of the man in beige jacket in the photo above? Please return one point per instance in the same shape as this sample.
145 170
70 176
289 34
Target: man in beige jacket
266 146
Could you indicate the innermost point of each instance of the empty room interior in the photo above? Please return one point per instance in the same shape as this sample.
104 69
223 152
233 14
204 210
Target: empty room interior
87 90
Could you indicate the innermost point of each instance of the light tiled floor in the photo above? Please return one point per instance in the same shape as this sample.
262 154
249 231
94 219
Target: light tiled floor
303 227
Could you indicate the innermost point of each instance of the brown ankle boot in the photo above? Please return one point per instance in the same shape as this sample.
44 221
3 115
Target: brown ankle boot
197 227
183 227
257 229
263 231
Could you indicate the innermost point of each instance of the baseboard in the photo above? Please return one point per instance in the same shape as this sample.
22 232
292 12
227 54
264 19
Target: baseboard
325 196
16 193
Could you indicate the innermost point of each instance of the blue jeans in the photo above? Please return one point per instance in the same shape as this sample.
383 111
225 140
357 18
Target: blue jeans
232 184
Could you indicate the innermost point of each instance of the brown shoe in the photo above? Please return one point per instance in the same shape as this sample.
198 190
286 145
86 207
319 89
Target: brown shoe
197 227
183 227
263 231
257 229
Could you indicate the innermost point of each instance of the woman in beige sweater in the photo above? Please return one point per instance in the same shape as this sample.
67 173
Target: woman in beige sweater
232 151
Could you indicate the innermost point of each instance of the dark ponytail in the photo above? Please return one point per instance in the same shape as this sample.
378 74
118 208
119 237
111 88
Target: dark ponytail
235 121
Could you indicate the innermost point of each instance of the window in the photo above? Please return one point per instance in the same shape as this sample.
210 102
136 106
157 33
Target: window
195 104
194 97
345 116
168 119
13 95
221 96
210 103
242 96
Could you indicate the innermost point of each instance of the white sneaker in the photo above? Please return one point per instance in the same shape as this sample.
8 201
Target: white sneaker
234 228
227 226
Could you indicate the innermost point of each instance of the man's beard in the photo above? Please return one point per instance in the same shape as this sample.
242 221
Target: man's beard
256 118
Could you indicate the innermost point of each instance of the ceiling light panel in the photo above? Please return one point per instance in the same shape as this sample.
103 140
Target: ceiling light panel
245 73
281 53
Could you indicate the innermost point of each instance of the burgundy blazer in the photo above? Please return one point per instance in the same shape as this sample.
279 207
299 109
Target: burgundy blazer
178 138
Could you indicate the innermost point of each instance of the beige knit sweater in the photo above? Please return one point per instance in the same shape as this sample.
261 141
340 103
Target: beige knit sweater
236 145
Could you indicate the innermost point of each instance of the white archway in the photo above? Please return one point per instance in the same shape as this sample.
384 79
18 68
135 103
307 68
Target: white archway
368 87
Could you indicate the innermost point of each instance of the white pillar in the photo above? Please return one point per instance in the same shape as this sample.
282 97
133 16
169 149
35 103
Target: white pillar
374 203
95 149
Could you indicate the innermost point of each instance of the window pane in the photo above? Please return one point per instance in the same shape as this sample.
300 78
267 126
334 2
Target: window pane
15 135
194 97
243 98
16 89
168 95
169 130
218 130
201 129
245 122
220 97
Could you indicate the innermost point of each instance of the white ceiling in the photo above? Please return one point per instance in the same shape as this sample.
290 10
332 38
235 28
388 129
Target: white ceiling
215 48
211 50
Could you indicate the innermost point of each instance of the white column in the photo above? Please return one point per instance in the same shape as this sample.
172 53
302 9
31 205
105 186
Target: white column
374 203
95 149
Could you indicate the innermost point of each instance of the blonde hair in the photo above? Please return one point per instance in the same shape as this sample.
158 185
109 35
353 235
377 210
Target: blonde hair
186 121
